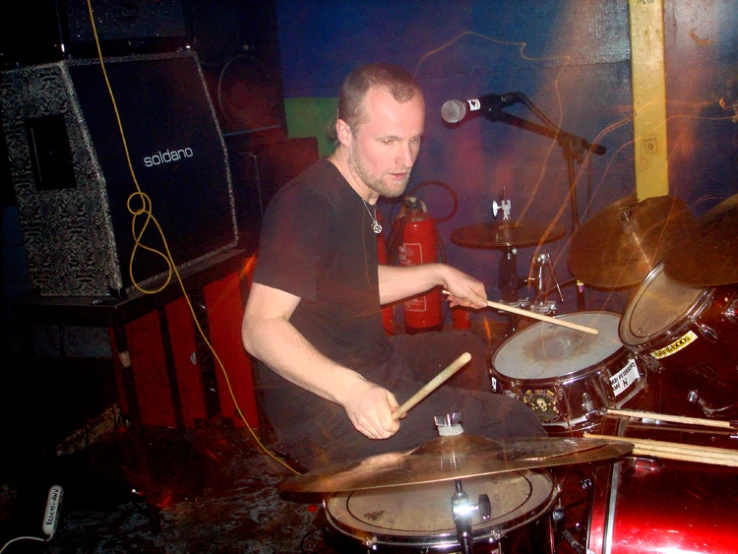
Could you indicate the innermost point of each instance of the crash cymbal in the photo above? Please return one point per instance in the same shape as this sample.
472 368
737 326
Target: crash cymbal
506 233
706 253
454 457
621 244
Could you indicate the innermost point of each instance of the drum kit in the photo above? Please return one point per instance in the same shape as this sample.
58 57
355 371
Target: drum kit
678 335
648 481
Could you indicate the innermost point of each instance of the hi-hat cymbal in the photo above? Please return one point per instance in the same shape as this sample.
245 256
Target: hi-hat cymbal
707 250
454 457
518 233
621 244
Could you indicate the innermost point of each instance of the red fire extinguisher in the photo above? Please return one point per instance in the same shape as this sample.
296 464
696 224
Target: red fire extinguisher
387 312
419 246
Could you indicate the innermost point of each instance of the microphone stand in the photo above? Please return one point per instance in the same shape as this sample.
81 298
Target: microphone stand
572 146
572 149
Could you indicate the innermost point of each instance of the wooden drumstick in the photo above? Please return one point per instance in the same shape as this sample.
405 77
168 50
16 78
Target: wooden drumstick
534 315
432 385
676 451
675 418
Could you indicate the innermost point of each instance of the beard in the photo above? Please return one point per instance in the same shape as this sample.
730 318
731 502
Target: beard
374 181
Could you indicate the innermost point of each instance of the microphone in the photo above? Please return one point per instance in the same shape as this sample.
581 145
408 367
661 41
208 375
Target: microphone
454 111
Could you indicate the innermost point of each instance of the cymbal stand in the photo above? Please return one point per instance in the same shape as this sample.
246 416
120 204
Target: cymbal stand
505 205
543 306
572 146
463 510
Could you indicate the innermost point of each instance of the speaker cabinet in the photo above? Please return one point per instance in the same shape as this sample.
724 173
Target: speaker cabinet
237 43
261 171
44 31
72 180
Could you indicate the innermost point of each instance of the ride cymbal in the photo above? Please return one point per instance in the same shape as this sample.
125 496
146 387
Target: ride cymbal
621 244
518 233
454 457
706 253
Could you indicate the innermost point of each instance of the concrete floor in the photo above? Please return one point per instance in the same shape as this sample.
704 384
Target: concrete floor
202 491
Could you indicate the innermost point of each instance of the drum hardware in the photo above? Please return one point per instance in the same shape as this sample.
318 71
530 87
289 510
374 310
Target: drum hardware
542 306
577 546
707 255
462 510
694 397
620 245
386 502
689 336
569 379
504 205
508 235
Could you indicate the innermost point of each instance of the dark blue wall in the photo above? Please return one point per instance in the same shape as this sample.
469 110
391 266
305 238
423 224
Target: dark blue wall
572 59
702 69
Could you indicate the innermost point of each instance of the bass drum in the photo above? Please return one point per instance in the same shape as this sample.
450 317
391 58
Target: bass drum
690 336
567 377
419 518
650 505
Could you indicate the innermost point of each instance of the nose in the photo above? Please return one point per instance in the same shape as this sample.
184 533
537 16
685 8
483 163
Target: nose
406 155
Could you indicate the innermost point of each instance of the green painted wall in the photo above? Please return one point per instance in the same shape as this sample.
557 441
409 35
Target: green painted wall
311 117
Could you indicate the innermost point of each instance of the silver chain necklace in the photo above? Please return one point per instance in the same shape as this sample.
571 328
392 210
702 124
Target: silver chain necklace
376 227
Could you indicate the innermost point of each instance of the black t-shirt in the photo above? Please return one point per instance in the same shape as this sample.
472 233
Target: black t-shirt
317 243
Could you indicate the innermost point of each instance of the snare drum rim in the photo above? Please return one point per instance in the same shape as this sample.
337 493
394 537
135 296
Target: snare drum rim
497 372
567 378
438 541
668 333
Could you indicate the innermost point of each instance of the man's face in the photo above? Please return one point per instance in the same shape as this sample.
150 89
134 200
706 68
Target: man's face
383 149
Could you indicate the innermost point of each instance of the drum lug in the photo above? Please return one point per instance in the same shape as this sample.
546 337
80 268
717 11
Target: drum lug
731 309
641 464
707 332
652 364
587 404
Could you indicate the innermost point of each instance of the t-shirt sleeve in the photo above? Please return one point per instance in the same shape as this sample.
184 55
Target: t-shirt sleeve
292 246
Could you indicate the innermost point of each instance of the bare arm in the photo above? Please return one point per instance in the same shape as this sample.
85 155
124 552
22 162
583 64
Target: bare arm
397 283
269 336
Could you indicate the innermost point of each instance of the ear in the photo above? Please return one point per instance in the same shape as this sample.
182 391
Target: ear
343 132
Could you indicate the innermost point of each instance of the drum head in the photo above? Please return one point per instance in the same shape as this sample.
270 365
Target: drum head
422 513
545 350
657 304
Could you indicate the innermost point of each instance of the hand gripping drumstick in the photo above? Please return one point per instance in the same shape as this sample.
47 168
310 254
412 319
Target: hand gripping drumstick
432 385
534 315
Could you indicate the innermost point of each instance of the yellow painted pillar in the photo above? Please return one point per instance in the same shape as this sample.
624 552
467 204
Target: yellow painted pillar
649 97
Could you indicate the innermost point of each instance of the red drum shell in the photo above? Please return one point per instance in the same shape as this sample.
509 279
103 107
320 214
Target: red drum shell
646 505
689 334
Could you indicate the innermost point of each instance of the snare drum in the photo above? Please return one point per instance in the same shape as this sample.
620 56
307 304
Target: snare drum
649 505
567 377
688 333
419 518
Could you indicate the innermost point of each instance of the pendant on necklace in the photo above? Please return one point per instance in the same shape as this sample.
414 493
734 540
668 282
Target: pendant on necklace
376 227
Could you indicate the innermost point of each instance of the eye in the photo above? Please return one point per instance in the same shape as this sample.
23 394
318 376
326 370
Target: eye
386 142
